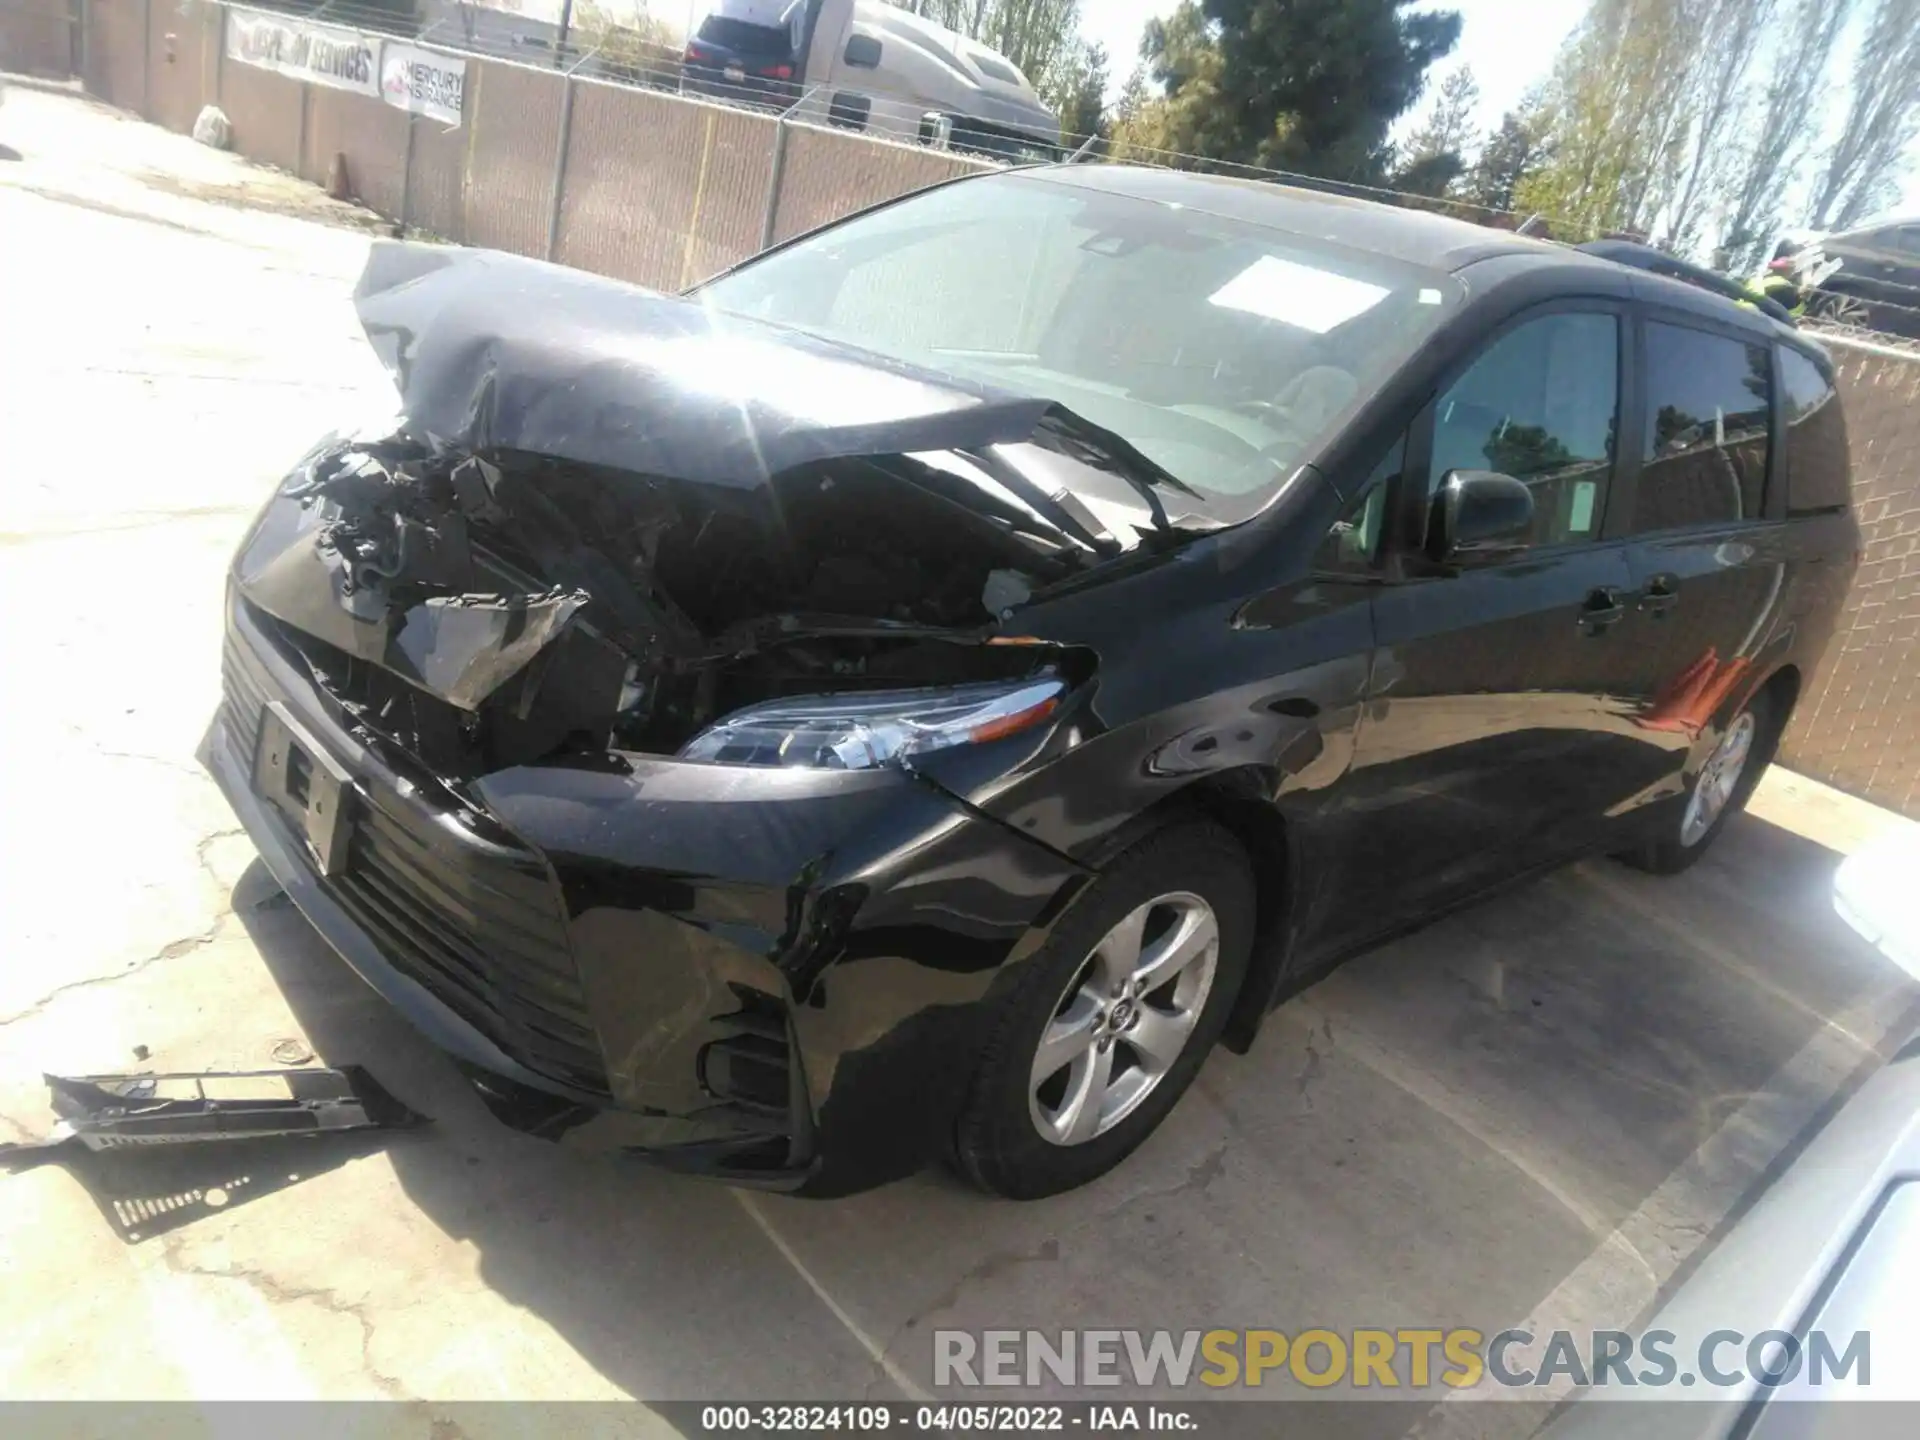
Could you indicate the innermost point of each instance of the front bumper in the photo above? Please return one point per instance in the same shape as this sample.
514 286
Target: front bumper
777 978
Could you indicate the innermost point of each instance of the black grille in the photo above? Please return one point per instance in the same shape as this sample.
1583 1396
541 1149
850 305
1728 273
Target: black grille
478 925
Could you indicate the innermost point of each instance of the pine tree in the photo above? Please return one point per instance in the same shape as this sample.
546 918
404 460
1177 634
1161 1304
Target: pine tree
1434 156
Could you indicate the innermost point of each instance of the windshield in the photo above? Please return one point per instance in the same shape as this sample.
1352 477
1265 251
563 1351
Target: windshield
1224 352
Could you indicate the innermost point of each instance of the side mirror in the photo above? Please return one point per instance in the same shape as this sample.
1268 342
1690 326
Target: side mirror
1478 515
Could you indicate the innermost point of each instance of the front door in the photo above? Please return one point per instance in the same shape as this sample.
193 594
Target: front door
1498 728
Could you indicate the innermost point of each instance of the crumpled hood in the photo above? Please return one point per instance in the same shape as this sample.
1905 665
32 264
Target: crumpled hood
607 512
491 351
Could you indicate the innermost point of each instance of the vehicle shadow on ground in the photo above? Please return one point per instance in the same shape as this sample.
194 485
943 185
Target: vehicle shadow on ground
1442 1131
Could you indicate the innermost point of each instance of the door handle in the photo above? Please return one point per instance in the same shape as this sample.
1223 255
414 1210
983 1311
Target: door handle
1660 596
1604 608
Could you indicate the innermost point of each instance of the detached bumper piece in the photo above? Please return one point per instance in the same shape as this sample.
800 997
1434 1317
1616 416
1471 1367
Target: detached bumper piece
124 1112
156 1152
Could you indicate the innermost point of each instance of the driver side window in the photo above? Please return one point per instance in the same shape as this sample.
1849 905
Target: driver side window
1542 404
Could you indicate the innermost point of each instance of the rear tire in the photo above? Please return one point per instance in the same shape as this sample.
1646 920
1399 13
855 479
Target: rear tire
1725 780
1108 1024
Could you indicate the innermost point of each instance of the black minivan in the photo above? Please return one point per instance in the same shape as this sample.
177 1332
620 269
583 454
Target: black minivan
915 694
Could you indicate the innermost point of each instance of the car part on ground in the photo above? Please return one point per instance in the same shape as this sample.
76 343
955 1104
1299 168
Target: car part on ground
126 1112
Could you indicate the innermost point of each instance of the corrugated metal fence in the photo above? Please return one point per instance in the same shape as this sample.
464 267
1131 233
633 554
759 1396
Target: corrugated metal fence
645 185
663 191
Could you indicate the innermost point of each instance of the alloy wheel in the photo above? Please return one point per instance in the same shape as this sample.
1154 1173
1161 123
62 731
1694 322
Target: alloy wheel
1124 1019
1719 778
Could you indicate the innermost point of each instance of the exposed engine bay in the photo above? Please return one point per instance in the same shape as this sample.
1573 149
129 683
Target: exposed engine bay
489 612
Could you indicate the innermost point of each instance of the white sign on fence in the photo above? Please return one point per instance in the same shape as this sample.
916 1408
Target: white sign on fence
423 81
302 50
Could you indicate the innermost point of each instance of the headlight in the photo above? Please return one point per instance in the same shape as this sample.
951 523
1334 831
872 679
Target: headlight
866 730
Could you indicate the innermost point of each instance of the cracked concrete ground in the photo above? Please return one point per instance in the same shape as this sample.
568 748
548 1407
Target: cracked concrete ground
1537 1109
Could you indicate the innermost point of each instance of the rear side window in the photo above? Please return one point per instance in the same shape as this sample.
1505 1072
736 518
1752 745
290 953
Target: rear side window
1709 408
1817 465
1540 404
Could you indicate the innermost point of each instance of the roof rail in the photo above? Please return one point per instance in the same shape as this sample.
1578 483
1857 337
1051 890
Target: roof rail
1659 262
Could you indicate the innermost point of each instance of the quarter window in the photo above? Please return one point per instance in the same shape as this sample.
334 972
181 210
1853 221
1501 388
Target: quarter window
1540 404
1709 404
1816 437
864 51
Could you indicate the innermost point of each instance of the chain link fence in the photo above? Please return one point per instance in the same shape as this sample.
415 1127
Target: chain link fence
610 168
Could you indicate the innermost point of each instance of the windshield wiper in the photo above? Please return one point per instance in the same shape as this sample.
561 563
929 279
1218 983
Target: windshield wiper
1112 453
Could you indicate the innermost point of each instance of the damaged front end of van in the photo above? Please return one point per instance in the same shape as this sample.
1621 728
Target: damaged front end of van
593 708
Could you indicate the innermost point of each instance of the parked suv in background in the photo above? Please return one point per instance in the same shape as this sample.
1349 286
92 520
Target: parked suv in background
916 694
752 57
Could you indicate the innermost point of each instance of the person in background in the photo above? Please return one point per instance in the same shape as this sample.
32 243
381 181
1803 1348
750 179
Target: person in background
1781 284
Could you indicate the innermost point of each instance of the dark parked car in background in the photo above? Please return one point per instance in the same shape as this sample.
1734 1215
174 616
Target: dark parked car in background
914 695
1877 284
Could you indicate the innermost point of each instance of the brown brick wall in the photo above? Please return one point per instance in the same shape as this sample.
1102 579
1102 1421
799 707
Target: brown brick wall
1858 725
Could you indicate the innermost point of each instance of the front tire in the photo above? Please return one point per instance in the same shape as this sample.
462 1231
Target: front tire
1111 1020
1721 788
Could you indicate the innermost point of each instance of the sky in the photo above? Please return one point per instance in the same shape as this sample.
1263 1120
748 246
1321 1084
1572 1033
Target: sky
1509 43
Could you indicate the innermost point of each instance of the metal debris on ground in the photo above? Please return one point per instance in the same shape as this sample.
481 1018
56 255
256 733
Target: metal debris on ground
116 1112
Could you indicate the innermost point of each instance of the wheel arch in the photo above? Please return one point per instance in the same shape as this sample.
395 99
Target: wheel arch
1235 800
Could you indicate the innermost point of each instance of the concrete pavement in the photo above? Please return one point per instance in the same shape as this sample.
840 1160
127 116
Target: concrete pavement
1539 1108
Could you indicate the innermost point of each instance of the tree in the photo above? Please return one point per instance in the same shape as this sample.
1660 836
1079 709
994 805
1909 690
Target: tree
1789 118
1188 117
1434 156
1076 90
1512 152
635 46
1526 450
1618 110
1724 51
1303 85
1039 36
1883 117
